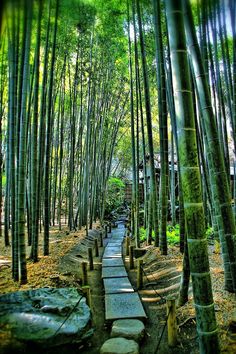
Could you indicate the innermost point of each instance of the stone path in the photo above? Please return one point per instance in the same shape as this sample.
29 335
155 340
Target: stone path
121 301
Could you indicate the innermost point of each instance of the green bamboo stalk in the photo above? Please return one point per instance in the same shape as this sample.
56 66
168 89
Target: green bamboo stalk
218 175
23 151
163 131
132 126
190 179
136 139
34 163
48 143
153 189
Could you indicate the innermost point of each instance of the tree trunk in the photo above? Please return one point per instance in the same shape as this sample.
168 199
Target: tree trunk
153 189
190 179
219 178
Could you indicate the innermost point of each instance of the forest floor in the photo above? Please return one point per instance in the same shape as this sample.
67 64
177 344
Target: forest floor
162 271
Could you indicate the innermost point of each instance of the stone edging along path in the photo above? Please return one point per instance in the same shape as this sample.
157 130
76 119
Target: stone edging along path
122 303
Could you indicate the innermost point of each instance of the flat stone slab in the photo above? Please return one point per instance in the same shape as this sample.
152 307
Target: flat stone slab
117 285
112 252
126 305
119 346
114 272
118 232
117 238
130 329
114 242
112 262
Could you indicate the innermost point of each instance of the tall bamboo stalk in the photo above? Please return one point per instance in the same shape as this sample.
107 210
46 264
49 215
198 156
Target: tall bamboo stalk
190 179
153 190
219 178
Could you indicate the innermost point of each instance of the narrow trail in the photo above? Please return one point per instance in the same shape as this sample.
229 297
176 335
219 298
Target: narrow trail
115 296
121 301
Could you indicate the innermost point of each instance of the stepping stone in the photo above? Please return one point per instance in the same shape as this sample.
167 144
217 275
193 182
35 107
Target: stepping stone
117 237
119 230
120 306
130 329
115 242
114 272
112 262
112 252
119 346
117 285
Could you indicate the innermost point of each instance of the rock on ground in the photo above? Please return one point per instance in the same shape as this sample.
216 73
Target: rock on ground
47 317
119 346
131 329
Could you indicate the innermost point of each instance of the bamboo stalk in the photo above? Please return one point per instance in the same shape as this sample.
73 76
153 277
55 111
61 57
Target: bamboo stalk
87 294
127 243
90 258
105 231
131 257
84 273
140 274
96 248
171 321
101 239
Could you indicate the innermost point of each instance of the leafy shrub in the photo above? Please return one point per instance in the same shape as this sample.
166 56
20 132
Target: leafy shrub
142 234
210 233
172 233
115 194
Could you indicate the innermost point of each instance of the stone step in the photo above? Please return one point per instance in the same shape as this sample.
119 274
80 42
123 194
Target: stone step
115 242
126 305
118 234
112 262
117 237
119 346
118 240
112 252
130 329
113 272
118 230
117 285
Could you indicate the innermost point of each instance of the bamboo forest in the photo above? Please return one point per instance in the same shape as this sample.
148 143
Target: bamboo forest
118 176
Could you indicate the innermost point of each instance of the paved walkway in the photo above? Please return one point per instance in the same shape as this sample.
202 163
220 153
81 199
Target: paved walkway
121 301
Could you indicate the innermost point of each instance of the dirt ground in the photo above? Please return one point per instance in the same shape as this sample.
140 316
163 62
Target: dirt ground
163 272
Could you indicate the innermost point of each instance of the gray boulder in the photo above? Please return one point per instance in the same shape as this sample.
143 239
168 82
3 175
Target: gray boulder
46 317
131 329
119 346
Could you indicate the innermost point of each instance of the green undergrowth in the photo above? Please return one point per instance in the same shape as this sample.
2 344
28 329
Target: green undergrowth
172 233
115 194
